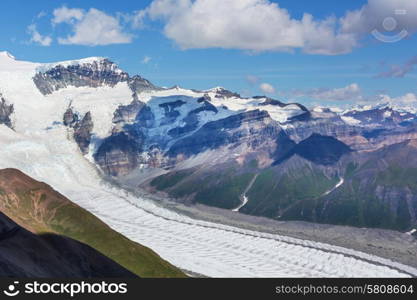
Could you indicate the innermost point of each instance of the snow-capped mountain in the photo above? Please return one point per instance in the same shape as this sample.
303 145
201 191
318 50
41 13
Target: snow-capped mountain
69 123
100 104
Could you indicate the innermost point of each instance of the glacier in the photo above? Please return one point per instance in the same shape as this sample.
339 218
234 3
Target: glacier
39 145
201 247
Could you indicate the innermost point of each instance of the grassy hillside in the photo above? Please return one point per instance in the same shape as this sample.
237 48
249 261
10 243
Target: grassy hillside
220 188
379 188
371 196
37 207
291 196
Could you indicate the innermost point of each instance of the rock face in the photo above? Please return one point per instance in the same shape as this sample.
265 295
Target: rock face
127 114
328 126
191 121
253 128
95 73
81 128
119 154
165 131
70 118
92 74
171 112
384 117
82 132
221 92
139 84
5 112
27 255
366 130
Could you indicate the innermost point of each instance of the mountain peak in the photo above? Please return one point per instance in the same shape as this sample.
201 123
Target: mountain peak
79 62
222 92
7 54
216 89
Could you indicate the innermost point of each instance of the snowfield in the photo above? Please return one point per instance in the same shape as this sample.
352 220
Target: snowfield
41 147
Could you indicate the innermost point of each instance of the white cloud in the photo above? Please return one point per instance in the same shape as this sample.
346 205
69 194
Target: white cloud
91 28
41 14
136 19
146 59
353 93
407 99
67 15
36 37
347 93
267 88
255 25
262 25
167 8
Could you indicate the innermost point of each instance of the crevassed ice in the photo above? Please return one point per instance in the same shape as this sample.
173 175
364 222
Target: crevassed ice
202 247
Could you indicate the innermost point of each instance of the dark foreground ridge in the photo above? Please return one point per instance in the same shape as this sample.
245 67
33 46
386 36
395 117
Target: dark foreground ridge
24 254
63 251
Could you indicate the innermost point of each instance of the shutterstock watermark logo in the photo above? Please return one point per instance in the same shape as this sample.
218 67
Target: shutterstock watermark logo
68 289
12 289
392 27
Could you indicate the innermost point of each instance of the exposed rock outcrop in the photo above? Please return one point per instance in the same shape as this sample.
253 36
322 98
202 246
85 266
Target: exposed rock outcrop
119 154
5 112
82 132
252 128
70 118
139 84
81 128
386 116
92 74
223 93
170 111
191 121
127 114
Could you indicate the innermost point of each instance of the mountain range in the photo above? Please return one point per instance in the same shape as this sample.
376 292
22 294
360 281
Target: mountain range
352 167
100 137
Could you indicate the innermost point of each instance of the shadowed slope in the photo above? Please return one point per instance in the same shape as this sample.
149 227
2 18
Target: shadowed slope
24 254
40 209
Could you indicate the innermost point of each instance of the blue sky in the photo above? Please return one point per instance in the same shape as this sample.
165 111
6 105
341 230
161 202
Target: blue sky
249 46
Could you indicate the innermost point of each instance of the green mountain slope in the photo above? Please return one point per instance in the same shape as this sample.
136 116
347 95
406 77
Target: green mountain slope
40 209
27 255
365 189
